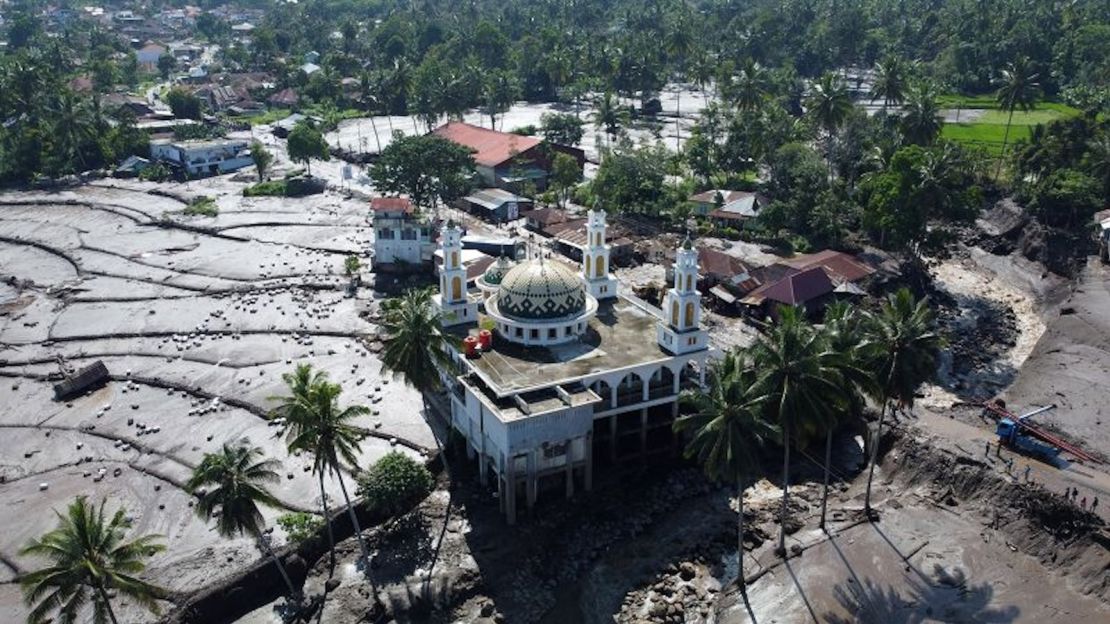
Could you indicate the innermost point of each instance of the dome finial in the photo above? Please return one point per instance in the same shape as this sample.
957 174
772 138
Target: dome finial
688 244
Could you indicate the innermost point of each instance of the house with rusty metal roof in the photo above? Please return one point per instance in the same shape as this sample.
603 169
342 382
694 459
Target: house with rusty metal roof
507 160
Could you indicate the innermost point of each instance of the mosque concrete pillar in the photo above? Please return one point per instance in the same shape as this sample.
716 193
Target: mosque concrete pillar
530 480
483 469
643 430
646 388
510 490
613 438
613 395
588 471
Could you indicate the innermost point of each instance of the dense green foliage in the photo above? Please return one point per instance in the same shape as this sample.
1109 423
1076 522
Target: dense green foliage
394 482
1063 170
426 168
300 526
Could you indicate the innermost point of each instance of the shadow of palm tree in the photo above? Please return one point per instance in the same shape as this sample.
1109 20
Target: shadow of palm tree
947 597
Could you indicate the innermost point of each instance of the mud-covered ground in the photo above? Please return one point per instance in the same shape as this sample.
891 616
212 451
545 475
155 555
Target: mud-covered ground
196 319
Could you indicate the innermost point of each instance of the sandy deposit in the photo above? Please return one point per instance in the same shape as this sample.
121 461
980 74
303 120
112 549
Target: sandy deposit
196 320
1070 365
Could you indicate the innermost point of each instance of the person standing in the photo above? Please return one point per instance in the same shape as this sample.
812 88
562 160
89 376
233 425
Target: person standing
1094 504
1083 504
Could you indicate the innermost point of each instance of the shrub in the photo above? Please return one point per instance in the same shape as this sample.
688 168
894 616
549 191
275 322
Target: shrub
202 206
528 130
156 172
394 482
351 264
300 526
273 188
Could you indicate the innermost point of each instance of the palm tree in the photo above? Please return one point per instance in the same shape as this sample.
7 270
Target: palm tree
1018 88
829 104
416 347
842 330
609 117
891 81
679 42
901 347
325 431
751 86
1097 160
921 120
233 481
294 407
88 558
800 378
727 431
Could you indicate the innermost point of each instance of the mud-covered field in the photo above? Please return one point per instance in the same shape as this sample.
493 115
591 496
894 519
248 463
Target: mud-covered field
196 319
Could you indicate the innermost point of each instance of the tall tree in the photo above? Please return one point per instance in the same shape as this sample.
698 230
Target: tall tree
800 377
750 87
1018 87
306 143
262 159
726 431
891 82
295 407
88 559
609 116
416 347
427 168
829 105
230 485
324 430
921 120
901 348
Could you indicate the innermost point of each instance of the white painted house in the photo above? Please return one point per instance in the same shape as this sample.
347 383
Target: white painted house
402 237
203 157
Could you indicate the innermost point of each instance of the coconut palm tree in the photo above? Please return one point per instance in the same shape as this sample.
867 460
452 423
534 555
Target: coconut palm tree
679 41
295 407
1018 87
1097 160
921 119
609 117
891 81
726 431
829 103
800 378
901 347
325 431
416 347
88 559
842 330
230 485
751 86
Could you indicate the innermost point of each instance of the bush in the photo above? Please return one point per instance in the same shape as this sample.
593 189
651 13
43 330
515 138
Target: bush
272 188
156 172
202 206
300 526
394 482
528 130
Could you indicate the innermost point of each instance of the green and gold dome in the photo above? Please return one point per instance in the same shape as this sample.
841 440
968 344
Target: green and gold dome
538 290
490 280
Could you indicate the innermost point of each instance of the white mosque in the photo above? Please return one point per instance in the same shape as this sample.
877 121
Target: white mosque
559 374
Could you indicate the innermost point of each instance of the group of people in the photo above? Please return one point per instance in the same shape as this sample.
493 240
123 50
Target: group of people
1073 493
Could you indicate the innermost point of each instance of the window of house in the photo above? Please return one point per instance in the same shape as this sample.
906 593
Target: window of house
385 234
519 332
408 234
535 333
552 333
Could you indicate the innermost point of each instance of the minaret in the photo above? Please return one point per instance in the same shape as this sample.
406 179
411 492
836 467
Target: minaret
453 301
595 258
680 331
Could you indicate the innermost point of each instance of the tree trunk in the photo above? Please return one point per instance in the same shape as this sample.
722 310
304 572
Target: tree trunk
280 566
107 604
439 447
377 139
740 533
874 455
828 463
358 534
785 486
1005 139
327 522
678 118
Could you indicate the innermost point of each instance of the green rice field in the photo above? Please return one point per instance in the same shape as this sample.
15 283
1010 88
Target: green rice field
987 125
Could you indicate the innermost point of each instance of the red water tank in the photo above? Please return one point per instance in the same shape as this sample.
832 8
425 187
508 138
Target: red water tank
470 344
485 338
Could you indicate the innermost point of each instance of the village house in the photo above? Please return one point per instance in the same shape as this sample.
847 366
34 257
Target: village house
148 56
728 208
402 238
198 158
573 378
541 218
808 280
495 205
505 160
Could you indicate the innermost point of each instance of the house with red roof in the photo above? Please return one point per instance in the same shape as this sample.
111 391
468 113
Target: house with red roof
809 281
505 160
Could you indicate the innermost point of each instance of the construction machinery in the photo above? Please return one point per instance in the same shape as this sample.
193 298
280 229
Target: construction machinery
1021 435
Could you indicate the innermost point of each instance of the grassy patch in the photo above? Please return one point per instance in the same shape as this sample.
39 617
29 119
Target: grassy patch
202 206
270 116
988 130
271 188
